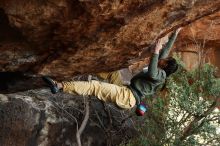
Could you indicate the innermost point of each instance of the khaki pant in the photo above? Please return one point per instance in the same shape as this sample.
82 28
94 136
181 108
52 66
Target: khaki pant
112 77
115 92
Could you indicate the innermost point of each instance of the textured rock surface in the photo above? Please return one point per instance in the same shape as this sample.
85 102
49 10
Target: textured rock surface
62 38
38 118
197 43
66 37
200 42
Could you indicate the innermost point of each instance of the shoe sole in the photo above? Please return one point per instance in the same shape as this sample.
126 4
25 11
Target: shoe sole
52 85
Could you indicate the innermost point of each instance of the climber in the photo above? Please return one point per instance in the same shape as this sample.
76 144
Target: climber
143 84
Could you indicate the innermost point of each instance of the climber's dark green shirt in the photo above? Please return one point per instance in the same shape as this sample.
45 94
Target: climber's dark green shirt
147 82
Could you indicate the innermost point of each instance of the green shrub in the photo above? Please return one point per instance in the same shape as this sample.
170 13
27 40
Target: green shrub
185 114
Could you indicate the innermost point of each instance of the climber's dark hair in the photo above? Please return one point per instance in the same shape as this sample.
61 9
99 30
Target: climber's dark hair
171 66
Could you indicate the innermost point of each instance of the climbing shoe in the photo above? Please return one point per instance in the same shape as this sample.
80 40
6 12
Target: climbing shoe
51 83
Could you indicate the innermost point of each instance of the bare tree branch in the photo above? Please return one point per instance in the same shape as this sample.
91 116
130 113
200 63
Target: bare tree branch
189 129
83 125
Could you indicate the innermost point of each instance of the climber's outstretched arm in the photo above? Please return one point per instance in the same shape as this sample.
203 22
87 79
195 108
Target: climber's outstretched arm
166 50
153 70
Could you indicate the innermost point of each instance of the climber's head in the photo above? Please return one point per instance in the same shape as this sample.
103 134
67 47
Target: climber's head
169 65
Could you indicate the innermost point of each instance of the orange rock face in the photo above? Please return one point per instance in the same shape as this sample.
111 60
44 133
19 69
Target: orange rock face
200 42
62 38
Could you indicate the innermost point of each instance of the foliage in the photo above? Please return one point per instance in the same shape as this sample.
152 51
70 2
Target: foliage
192 118
186 114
